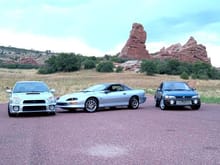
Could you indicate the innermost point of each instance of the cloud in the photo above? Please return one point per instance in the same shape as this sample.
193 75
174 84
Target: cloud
36 42
97 27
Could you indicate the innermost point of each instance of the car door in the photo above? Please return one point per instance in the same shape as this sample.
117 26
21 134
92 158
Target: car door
115 95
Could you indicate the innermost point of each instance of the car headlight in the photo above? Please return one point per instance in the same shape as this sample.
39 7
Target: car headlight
51 100
169 97
15 100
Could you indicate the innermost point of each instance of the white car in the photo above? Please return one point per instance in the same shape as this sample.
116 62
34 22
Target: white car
31 97
103 95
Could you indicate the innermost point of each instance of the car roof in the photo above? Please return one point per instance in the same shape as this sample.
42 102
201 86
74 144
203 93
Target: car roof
29 81
109 83
174 82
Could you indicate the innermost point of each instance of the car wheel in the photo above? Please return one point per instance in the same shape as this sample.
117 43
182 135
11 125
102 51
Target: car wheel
133 102
195 107
162 105
9 113
53 113
91 105
157 104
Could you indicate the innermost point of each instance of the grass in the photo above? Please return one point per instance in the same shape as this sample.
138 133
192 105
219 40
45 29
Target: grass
210 100
65 83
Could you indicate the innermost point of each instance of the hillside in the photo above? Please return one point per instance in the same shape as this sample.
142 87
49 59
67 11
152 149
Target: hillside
12 55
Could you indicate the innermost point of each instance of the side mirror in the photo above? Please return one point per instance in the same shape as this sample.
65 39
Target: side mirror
106 91
52 90
9 91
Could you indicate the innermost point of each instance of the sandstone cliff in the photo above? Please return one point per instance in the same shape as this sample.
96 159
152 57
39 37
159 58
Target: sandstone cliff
189 52
135 46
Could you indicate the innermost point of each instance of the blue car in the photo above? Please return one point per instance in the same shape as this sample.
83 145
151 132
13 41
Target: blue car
176 94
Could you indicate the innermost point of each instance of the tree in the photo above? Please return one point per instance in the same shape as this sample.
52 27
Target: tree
106 66
149 67
89 64
184 75
61 63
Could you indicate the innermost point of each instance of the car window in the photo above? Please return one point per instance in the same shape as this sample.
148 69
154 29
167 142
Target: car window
116 88
24 87
99 87
175 86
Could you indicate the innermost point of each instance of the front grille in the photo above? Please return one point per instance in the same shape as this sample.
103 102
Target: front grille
34 108
34 101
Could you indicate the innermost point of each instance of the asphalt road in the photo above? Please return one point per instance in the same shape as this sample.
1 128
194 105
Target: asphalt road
113 137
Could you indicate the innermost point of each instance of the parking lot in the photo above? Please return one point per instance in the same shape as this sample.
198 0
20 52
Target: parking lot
113 137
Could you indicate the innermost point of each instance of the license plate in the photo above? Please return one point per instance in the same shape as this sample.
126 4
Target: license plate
183 102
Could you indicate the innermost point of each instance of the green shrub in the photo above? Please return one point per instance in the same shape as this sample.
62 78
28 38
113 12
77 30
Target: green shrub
62 63
184 76
89 64
194 76
46 70
149 67
105 67
119 69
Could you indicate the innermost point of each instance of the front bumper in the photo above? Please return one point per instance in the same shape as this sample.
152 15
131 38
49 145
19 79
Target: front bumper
68 105
182 102
31 108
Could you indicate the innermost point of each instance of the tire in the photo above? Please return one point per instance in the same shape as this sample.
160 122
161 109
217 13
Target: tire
162 105
52 113
91 104
195 107
9 113
157 104
133 102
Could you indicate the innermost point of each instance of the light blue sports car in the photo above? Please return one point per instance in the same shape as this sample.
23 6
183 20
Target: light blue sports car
31 97
102 95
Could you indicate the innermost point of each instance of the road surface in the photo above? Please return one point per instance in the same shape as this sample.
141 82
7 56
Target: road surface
113 137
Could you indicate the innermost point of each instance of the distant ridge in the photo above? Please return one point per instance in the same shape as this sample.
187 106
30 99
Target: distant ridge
13 55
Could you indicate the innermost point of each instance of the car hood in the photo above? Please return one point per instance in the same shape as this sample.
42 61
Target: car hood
74 95
180 93
33 96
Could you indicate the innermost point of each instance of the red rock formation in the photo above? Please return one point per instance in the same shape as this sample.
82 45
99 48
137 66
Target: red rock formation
28 60
189 52
135 46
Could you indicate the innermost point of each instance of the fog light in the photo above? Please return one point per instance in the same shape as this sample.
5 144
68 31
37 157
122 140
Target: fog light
51 107
195 101
171 102
16 108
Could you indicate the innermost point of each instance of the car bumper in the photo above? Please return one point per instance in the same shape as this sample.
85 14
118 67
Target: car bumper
31 108
65 105
173 102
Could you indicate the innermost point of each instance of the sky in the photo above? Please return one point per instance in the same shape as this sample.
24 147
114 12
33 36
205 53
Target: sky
99 27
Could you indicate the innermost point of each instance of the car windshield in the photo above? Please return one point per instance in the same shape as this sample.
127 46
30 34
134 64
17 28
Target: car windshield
176 86
27 87
99 87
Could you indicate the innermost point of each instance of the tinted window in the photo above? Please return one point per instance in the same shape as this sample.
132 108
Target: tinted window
24 87
175 86
98 87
